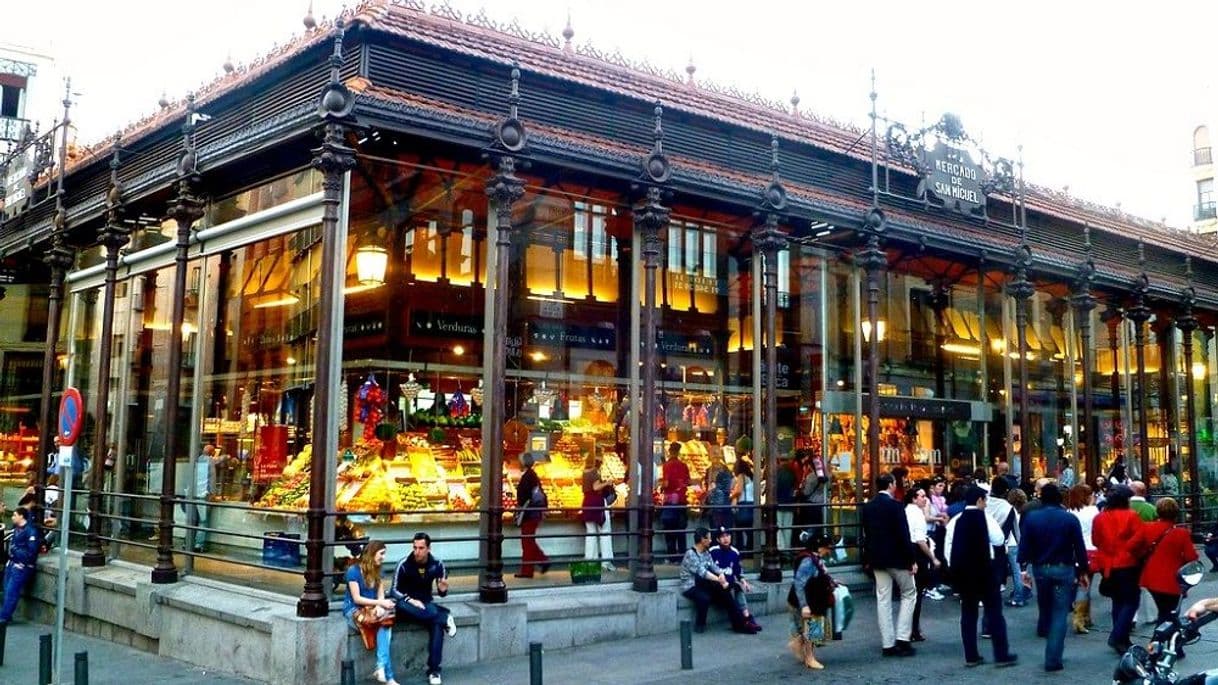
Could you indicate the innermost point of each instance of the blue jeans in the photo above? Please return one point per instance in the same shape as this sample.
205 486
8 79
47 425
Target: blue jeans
1054 598
1019 593
383 635
434 618
991 598
15 580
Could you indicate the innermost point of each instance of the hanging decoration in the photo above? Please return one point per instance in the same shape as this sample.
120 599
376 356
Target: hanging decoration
543 396
475 395
410 390
458 406
369 402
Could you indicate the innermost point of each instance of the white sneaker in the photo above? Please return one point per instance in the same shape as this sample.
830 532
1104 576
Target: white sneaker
450 629
932 594
379 675
434 679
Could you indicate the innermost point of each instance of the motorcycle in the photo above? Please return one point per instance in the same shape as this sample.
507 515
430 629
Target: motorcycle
1155 664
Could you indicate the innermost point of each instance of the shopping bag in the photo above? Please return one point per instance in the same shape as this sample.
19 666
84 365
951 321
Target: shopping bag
843 609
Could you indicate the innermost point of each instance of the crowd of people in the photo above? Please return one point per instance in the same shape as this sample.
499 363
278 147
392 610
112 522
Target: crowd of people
994 543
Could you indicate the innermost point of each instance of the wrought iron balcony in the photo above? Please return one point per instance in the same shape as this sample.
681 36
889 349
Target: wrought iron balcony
12 128
1205 210
1203 156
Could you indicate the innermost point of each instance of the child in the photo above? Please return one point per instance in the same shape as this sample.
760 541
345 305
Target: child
810 599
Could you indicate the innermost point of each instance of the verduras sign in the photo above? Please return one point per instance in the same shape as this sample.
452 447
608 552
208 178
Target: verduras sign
954 178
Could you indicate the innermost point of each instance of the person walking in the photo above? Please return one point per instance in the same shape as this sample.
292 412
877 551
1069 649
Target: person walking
531 504
1137 502
413 581
970 542
1117 533
1170 548
742 502
365 589
1020 593
598 543
704 584
810 600
1080 502
1052 545
674 481
889 553
936 527
21 564
924 553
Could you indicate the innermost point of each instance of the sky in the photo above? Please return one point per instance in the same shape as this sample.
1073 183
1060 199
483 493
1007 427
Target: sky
1103 97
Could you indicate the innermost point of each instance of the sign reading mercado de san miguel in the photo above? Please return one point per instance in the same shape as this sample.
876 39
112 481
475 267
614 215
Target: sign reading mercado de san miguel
954 178
955 171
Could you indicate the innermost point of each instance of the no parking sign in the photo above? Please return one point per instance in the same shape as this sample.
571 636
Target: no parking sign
71 417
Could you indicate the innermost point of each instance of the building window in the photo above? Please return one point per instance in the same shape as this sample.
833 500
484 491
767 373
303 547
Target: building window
10 101
1202 152
1205 200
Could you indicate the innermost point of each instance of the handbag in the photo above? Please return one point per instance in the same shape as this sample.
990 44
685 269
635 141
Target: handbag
368 620
609 495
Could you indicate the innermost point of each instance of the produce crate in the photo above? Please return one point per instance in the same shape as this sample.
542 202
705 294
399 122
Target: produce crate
584 572
283 552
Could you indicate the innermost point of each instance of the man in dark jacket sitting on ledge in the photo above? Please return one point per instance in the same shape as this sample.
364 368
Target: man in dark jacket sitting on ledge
412 588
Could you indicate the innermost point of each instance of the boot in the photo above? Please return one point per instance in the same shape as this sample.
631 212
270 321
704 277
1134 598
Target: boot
796 646
1079 619
810 658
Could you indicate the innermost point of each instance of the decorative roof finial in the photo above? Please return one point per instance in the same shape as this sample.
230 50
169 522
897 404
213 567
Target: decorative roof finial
655 165
795 102
164 101
228 64
114 195
568 33
689 70
1188 269
309 22
1087 238
775 196
510 132
1141 254
336 100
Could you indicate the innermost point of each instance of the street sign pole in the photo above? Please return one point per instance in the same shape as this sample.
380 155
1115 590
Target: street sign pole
71 421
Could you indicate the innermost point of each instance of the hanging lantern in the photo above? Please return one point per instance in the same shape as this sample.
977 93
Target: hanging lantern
475 395
370 264
410 389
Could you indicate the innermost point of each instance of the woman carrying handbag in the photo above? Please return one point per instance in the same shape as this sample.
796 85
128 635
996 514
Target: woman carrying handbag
368 611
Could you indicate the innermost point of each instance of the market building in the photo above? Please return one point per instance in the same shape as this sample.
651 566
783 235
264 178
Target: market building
298 265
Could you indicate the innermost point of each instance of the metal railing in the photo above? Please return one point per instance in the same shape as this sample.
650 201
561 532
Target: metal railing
1205 210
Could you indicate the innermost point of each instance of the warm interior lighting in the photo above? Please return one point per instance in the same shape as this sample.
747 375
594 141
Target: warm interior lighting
881 327
545 298
1198 370
539 356
458 350
370 264
998 345
291 361
361 288
285 301
962 349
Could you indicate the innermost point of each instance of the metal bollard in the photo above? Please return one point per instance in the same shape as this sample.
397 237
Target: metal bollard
535 677
348 674
44 659
687 645
82 668
3 640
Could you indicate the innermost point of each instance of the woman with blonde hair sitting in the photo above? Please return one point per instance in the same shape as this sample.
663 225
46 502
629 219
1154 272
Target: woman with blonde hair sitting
365 589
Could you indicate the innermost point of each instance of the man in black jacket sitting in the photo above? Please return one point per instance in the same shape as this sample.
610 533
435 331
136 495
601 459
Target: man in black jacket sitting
888 552
412 588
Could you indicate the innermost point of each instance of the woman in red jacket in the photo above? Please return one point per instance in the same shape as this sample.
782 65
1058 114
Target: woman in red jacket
1119 544
1172 548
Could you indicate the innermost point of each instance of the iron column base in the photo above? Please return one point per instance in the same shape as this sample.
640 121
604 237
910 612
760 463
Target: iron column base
646 581
164 576
493 593
313 607
771 568
92 558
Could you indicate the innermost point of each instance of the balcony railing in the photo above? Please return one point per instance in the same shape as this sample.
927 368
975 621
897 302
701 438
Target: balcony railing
1203 156
12 128
1205 210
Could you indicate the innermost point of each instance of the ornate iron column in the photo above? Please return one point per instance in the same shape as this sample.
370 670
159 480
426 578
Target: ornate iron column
873 260
650 216
1139 314
504 188
333 158
769 241
59 258
1187 322
113 236
1022 290
1084 303
187 208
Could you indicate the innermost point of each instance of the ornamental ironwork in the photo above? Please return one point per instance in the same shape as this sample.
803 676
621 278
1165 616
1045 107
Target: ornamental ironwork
955 171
